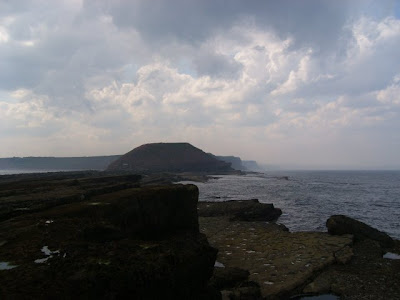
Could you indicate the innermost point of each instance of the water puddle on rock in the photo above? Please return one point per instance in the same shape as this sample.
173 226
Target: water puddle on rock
4 265
316 297
22 208
390 255
97 203
218 265
46 251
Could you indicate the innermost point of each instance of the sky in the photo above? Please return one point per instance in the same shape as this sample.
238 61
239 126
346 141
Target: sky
296 84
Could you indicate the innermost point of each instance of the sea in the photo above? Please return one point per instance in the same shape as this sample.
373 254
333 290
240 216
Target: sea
309 198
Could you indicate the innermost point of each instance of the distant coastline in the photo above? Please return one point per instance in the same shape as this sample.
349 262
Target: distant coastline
51 164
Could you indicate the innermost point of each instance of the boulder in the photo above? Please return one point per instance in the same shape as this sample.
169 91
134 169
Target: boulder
240 210
258 212
340 224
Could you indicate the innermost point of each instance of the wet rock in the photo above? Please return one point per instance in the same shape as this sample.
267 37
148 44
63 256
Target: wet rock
240 210
340 224
138 243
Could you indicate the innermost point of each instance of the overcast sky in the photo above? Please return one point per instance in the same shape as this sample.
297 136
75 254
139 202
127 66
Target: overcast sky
308 84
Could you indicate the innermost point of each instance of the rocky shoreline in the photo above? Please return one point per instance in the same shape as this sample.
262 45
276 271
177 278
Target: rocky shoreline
282 264
117 235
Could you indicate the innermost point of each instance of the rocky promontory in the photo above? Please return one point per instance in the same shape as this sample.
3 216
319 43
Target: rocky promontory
169 157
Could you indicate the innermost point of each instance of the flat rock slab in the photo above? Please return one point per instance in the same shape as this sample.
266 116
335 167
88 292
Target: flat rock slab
278 260
368 276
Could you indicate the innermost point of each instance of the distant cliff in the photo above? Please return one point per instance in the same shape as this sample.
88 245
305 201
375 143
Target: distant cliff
243 165
251 165
169 157
235 162
57 163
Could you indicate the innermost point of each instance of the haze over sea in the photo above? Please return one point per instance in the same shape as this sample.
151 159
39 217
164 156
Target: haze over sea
308 198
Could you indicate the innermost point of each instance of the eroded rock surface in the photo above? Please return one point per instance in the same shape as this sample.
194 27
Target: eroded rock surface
367 276
279 261
137 243
26 193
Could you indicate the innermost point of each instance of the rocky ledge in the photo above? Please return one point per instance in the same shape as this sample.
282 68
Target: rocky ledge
136 243
263 260
240 210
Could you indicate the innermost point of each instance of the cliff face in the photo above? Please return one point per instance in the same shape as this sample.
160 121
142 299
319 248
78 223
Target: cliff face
132 243
169 157
235 162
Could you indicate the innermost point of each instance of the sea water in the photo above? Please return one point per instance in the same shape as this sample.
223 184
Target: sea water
309 198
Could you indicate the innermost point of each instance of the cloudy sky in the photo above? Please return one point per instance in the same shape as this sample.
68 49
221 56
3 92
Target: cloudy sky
308 84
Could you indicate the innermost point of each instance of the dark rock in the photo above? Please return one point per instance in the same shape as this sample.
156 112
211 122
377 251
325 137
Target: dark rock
138 243
228 277
240 210
261 212
248 290
153 212
27 193
340 224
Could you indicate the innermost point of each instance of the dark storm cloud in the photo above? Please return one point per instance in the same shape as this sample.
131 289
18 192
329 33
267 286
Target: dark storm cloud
318 23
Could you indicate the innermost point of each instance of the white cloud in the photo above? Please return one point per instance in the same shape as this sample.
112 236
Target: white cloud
3 35
390 95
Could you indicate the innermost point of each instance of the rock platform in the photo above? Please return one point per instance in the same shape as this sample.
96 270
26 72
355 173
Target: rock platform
283 264
279 261
113 243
